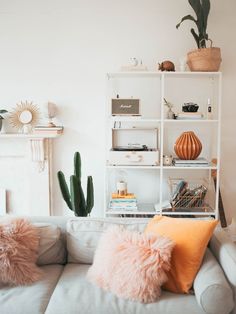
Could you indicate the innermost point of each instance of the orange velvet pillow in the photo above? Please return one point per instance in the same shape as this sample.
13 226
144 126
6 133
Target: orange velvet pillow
191 238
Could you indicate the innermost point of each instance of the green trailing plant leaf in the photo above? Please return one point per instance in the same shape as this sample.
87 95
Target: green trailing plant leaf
186 17
90 195
64 189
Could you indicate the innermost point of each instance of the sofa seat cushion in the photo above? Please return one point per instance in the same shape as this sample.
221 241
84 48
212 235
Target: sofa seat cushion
75 295
32 299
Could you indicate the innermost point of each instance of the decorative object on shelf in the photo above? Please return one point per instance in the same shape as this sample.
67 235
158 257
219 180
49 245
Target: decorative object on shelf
121 187
188 146
190 107
126 202
198 162
202 59
167 160
209 110
186 196
74 198
170 114
2 111
24 117
135 65
166 66
125 107
50 112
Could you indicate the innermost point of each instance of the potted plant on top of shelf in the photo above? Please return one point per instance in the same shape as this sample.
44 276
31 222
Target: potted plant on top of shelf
202 59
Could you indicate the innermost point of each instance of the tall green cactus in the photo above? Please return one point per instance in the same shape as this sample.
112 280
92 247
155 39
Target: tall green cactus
74 197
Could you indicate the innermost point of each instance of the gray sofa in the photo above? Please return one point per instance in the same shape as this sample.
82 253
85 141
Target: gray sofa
67 247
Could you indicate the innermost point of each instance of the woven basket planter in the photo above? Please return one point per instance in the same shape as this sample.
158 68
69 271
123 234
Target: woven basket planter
204 59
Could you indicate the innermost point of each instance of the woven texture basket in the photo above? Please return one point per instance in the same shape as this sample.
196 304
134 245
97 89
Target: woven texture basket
204 59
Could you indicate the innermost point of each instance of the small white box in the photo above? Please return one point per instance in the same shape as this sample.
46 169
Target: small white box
134 158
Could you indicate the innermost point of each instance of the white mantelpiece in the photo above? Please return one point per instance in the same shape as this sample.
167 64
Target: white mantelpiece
27 159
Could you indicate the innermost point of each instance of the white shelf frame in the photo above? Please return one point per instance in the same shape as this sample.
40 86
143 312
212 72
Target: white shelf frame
163 122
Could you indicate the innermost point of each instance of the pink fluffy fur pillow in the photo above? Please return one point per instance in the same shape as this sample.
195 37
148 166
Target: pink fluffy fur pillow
131 265
19 242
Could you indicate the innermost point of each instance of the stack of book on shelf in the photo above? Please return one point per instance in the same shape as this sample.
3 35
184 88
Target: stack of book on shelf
199 162
123 203
189 116
48 129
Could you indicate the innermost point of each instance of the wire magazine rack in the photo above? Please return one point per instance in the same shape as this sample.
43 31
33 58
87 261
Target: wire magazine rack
189 195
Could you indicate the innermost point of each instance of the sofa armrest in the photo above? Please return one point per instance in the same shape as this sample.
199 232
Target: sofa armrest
225 252
212 291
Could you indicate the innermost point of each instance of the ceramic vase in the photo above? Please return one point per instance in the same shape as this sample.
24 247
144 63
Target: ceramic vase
188 146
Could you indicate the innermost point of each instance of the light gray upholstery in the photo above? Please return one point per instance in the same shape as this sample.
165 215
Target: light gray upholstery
212 290
225 252
51 252
83 235
65 290
31 299
75 295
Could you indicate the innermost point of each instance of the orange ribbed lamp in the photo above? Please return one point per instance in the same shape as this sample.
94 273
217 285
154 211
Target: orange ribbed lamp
188 146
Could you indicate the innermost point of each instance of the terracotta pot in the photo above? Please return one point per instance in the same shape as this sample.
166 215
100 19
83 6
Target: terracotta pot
188 146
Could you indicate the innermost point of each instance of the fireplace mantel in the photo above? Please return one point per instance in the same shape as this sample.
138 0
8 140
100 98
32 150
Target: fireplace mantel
36 152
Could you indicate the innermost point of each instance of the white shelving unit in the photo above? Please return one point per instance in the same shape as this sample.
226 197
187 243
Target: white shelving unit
150 182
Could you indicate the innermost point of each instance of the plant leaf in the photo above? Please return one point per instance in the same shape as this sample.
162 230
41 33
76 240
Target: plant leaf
196 37
90 195
3 111
197 7
77 165
75 195
186 17
205 10
64 188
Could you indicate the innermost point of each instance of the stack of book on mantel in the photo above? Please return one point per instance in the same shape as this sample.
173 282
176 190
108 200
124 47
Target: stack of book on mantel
199 162
47 129
123 203
189 116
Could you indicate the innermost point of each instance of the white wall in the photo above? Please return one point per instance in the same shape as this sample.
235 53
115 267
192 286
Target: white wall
60 50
